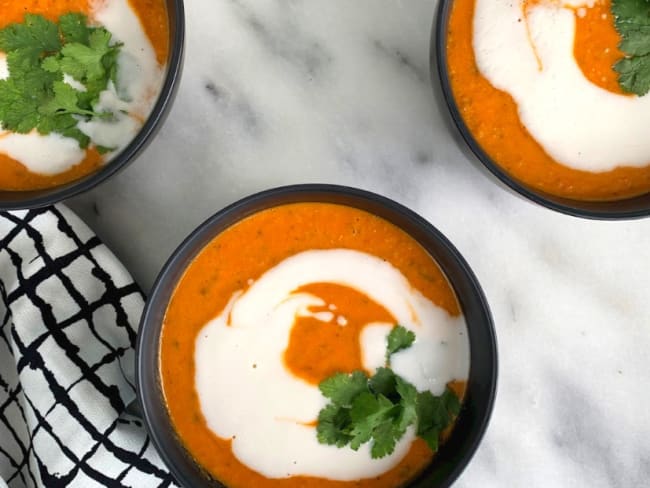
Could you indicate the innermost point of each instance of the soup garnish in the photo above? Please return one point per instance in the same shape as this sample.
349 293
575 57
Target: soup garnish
380 408
633 24
57 72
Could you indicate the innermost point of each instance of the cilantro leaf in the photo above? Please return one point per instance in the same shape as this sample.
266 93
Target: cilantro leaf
435 414
408 403
634 74
451 401
431 438
360 435
66 125
17 112
64 101
367 412
431 412
635 42
110 63
29 77
398 339
333 421
383 382
367 407
630 12
104 149
406 390
90 97
87 59
33 37
343 388
632 21
385 437
74 28
64 65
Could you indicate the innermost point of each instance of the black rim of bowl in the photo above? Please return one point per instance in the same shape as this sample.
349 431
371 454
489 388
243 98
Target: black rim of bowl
630 208
13 200
454 454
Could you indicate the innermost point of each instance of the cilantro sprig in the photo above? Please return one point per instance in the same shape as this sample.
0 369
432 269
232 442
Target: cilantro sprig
632 21
380 408
40 53
399 338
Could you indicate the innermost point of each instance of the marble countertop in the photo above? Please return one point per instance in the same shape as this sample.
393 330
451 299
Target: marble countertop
287 91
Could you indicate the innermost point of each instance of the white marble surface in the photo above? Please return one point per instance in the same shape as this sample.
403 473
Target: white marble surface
286 91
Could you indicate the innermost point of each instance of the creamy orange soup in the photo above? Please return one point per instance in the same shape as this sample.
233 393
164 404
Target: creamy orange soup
153 17
492 115
243 253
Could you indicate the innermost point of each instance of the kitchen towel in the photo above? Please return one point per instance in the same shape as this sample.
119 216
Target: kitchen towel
69 313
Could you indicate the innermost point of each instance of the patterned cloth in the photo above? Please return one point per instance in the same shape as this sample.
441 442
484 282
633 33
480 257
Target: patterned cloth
69 313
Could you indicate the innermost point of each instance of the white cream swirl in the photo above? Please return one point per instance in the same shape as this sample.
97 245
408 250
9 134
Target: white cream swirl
578 123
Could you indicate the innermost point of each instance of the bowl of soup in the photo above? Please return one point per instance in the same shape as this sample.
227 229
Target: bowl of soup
316 336
84 86
549 98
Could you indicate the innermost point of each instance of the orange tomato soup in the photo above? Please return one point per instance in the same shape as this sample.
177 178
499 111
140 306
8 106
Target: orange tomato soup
153 17
491 114
244 252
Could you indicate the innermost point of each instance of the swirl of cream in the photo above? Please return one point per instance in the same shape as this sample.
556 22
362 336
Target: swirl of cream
247 394
578 123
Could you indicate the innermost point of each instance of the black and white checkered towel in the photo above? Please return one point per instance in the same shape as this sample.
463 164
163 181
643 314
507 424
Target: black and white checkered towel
69 313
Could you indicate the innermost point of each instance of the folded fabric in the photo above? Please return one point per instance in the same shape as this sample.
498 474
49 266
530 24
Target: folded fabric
69 313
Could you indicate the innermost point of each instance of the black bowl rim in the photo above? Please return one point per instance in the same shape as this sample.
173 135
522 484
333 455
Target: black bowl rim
16 200
170 269
598 211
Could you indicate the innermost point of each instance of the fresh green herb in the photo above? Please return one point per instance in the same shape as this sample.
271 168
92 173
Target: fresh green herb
74 28
35 36
380 408
398 339
40 53
342 388
435 414
104 149
632 20
383 382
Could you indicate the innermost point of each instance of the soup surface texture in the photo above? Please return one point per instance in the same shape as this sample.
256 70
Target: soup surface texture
34 161
534 83
279 302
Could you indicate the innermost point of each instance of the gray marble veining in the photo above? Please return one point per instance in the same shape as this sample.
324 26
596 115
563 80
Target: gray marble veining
286 91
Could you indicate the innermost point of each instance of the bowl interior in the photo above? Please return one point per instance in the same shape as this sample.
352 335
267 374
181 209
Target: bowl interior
11 200
610 210
453 455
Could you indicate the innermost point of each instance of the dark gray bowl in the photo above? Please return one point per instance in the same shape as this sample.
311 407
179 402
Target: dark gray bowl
630 208
477 407
12 200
